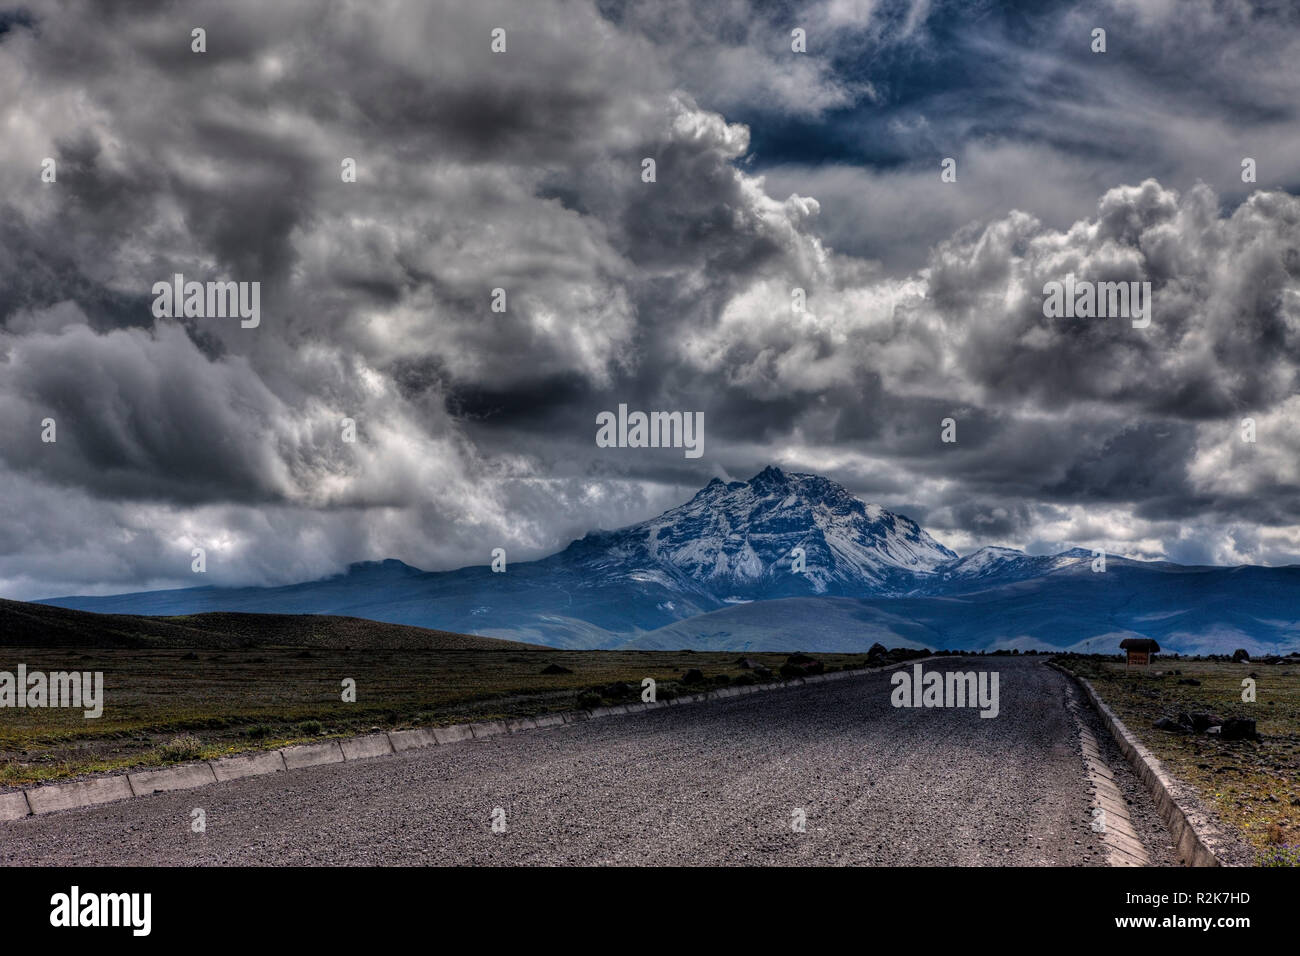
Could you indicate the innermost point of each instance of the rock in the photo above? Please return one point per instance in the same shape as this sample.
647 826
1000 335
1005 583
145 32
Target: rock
1202 721
1240 655
745 663
877 650
791 668
798 657
556 669
1190 682
1171 725
1239 728
693 676
762 673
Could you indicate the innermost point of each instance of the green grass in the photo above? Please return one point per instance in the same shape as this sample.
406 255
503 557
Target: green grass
163 705
1254 788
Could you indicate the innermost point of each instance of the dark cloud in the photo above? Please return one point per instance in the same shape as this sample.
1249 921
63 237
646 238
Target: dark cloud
522 171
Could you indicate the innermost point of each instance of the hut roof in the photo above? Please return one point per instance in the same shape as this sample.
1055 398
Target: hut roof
1139 644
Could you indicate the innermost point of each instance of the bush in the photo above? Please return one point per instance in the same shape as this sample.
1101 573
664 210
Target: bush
258 731
184 747
310 727
589 700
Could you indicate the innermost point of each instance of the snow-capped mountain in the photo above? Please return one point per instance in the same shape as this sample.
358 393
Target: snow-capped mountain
741 539
995 565
719 572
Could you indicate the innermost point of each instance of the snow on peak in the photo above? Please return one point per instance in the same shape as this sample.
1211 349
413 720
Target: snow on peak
742 536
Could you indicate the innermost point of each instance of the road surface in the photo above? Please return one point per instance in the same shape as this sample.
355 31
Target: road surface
719 782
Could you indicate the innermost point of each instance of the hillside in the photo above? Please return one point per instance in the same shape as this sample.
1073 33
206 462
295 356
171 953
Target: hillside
1189 610
40 625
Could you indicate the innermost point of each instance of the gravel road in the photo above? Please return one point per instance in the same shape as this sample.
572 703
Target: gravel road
710 783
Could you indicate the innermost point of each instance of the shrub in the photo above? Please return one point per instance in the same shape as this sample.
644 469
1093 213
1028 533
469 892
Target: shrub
258 731
184 747
310 727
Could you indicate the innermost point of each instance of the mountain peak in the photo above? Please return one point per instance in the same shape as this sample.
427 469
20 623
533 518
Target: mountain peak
770 474
780 533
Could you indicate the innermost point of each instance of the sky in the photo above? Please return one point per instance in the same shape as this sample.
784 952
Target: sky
522 170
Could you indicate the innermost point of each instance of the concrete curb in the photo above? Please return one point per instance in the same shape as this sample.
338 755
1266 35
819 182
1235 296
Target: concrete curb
14 806
19 804
1123 845
1199 840
185 777
249 765
312 755
403 740
362 748
83 793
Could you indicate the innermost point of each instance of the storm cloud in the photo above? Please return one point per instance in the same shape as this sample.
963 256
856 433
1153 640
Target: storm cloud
522 171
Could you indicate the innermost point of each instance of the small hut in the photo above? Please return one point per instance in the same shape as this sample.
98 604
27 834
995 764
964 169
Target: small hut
1140 650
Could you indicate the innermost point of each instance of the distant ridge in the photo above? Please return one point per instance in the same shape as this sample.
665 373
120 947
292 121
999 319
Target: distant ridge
40 625
749 554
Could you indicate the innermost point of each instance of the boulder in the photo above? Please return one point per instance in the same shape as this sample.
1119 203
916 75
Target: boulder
1201 721
1238 728
810 666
